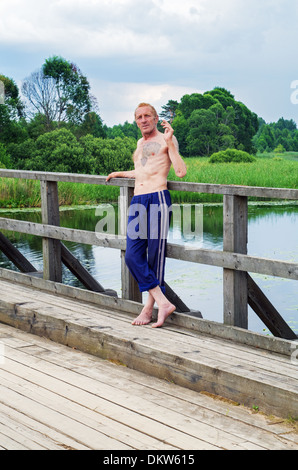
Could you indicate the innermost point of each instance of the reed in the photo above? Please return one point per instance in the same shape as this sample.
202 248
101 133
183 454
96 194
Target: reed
269 171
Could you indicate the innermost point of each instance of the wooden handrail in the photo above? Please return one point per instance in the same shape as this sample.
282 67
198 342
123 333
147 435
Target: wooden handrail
209 188
234 260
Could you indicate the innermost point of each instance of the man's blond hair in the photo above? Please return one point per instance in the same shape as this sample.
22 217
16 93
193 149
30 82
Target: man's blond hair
141 105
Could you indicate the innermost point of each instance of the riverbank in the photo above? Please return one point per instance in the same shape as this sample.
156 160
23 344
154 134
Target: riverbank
279 171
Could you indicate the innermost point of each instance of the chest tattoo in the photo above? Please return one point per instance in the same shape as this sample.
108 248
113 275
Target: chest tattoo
150 149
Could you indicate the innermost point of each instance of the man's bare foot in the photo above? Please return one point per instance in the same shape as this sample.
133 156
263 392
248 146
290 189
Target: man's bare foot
163 313
144 318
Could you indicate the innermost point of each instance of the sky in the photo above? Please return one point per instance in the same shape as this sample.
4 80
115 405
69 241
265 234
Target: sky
156 50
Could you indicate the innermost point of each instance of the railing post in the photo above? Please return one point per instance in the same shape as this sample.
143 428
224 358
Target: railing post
130 288
235 240
52 265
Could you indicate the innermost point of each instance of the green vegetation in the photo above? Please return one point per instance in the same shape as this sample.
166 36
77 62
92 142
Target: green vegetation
58 128
264 171
213 121
231 156
279 137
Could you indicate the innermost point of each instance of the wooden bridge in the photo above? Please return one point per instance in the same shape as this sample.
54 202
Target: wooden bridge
223 359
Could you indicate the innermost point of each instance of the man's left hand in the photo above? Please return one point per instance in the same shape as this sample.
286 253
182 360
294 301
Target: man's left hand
169 131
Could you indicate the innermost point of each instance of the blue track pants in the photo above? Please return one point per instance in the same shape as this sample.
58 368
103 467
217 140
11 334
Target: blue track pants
148 224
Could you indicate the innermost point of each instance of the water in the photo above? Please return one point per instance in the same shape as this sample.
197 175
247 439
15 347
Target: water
272 233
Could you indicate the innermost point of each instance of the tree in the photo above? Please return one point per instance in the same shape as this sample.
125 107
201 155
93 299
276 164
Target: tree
58 150
283 132
169 111
202 134
12 99
214 121
11 113
195 101
181 128
123 130
91 124
59 91
5 161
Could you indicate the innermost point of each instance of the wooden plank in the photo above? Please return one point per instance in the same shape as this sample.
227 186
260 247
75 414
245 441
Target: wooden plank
222 259
183 414
181 307
50 437
82 274
217 330
15 395
195 368
17 436
161 401
206 409
235 282
129 286
64 233
232 190
14 255
267 312
127 421
52 267
208 346
237 261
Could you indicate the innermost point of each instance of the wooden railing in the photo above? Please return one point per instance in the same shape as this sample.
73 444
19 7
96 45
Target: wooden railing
239 288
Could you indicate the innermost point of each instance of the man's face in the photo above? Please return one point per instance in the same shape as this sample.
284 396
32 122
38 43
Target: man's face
146 120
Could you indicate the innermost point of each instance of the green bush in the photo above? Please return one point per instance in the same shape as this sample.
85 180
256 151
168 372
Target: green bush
5 161
231 156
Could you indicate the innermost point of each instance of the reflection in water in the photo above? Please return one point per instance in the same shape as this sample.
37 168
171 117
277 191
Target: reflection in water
272 233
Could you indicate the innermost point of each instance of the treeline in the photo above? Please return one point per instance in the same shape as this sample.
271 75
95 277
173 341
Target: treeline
56 126
281 136
213 121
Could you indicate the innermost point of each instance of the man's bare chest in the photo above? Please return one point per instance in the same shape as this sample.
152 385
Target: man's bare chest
151 153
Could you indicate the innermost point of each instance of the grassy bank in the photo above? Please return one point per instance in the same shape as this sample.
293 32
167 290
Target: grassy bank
280 171
269 171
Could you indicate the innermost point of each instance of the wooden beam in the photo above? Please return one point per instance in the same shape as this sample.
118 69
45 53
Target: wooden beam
14 255
203 326
73 264
235 282
130 288
222 259
180 305
52 267
267 312
232 190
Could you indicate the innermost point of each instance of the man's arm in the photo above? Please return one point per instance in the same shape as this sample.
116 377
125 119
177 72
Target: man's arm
173 149
121 174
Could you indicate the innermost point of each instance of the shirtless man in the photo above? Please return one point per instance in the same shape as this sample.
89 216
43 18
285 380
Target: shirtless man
155 153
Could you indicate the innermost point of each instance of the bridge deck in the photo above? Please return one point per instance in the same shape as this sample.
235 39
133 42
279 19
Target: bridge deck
54 397
157 404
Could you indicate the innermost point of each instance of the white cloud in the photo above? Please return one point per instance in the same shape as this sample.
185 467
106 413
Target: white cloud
97 28
118 101
248 47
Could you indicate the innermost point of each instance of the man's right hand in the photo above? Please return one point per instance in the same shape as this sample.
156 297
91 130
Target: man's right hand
111 175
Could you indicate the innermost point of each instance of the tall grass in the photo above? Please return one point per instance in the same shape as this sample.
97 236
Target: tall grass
269 171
